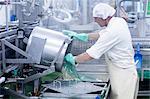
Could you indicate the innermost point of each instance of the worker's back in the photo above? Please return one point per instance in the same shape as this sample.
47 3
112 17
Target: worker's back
122 53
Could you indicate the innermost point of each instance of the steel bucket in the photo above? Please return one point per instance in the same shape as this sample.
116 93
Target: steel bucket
53 43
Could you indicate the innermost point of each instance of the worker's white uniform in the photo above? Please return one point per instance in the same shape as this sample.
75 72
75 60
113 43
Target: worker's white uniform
116 43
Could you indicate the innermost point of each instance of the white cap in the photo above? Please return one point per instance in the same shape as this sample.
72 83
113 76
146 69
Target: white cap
103 10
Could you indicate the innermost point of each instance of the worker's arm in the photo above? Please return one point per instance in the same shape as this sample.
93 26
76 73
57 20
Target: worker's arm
77 59
93 36
81 36
85 56
82 57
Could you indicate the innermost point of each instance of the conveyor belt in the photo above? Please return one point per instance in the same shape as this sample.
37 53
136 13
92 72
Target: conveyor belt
10 27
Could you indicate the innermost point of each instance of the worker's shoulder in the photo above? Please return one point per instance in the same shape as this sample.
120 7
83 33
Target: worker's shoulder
117 24
119 20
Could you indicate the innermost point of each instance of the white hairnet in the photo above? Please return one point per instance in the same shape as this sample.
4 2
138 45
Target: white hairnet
103 10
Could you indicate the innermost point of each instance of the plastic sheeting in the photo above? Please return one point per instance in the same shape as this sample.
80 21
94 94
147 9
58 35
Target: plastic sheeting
72 72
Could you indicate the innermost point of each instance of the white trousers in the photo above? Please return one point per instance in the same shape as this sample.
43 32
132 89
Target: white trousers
124 82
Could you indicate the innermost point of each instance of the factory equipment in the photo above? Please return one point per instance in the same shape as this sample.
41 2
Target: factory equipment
54 49
45 50
33 47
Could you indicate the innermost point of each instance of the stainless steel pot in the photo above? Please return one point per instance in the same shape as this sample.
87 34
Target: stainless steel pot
54 41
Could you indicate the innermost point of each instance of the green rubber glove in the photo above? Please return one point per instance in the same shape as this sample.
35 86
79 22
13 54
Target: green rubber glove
71 70
69 33
82 36
15 72
70 59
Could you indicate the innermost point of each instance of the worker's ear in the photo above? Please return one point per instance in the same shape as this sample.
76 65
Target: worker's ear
107 19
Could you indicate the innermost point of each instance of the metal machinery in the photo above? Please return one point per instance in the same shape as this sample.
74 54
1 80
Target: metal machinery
33 47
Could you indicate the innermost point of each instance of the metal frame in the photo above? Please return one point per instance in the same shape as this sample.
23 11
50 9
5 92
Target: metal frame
29 59
142 74
4 43
49 70
104 92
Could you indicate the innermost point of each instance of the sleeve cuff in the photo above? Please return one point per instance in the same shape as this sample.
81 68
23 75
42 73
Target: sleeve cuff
92 54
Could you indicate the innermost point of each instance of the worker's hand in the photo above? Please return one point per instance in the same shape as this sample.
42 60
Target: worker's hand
70 66
82 36
69 33
69 58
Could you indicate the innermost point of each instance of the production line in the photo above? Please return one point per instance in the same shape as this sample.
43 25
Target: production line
33 48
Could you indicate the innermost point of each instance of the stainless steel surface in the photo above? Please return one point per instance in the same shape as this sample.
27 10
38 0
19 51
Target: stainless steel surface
38 44
70 86
58 95
74 88
54 41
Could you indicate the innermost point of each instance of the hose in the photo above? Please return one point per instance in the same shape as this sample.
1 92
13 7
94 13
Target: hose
64 20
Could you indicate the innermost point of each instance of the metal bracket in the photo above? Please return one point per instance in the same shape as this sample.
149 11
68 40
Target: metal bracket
68 41
4 60
37 76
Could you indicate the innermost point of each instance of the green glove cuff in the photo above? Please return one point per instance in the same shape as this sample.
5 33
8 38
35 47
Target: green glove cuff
82 37
70 58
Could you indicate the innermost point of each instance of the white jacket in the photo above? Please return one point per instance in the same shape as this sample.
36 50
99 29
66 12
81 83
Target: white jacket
116 43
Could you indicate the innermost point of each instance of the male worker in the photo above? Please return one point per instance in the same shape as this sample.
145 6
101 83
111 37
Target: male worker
115 42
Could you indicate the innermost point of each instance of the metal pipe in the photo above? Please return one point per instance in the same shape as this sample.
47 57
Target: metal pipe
11 3
3 55
6 12
84 11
